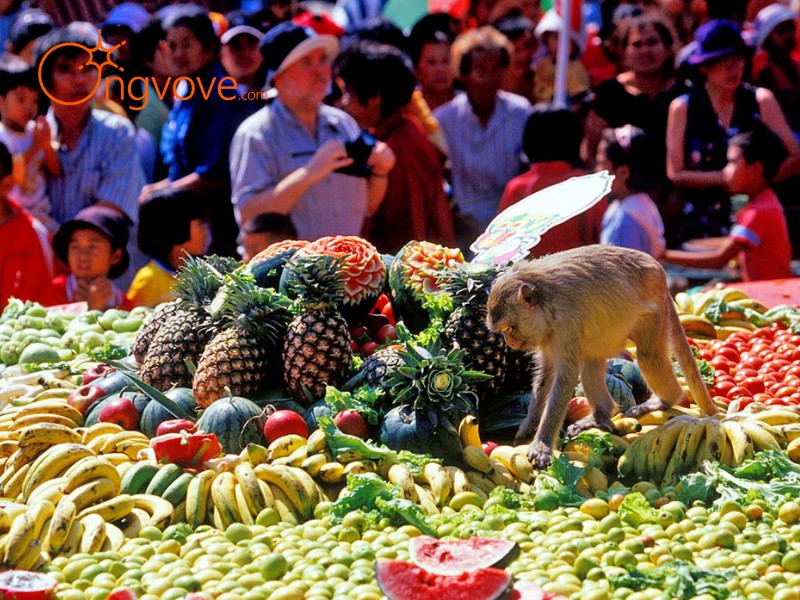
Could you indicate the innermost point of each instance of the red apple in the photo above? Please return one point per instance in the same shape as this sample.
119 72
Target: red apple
351 422
359 333
121 411
387 332
284 422
369 348
488 447
85 396
175 426
375 322
97 371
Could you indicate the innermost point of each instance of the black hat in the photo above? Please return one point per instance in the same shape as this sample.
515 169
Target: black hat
287 42
718 39
111 222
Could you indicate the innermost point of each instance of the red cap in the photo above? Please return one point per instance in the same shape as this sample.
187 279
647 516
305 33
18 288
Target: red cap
321 23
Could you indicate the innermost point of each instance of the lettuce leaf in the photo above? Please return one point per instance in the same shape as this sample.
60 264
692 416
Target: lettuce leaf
635 510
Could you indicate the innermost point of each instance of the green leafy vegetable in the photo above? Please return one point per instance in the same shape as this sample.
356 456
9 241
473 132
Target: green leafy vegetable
560 477
599 441
716 310
635 510
110 351
678 579
363 399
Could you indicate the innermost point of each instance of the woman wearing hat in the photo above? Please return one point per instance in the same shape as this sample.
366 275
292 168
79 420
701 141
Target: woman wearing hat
701 122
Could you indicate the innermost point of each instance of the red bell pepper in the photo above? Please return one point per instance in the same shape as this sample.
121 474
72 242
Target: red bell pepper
186 449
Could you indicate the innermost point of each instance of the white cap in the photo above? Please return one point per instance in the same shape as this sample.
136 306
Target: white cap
768 18
551 21
240 30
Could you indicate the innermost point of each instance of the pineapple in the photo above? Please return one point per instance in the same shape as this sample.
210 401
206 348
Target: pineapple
185 331
240 354
317 347
466 327
151 326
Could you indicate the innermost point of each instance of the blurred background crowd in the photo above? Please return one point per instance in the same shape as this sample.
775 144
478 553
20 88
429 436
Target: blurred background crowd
390 119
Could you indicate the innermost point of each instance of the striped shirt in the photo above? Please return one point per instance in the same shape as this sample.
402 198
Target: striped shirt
104 165
272 143
483 159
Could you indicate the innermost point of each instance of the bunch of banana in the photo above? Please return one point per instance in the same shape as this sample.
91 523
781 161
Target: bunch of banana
743 313
48 410
118 446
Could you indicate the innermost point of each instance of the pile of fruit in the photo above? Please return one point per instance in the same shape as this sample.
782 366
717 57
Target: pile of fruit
326 422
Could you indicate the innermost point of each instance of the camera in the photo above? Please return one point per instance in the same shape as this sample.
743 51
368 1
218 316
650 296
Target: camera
359 150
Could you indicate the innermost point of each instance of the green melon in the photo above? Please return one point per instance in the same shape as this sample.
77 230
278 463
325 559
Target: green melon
154 414
236 421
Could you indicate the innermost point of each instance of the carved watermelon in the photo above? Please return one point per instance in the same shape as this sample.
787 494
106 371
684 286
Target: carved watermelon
26 585
267 265
401 580
451 557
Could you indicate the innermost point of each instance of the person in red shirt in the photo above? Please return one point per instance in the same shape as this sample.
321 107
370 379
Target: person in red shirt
378 81
93 245
551 141
760 237
25 257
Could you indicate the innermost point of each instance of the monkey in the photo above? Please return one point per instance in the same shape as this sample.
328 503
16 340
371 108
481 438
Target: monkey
575 309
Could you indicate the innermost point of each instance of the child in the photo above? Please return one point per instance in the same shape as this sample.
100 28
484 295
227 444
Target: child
632 219
28 138
173 223
25 256
263 230
544 69
760 237
92 245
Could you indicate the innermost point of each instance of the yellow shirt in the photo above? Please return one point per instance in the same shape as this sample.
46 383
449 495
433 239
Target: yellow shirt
151 286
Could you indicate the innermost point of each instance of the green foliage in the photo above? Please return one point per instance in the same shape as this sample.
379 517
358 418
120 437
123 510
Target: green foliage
678 579
599 441
364 399
110 351
635 510
560 477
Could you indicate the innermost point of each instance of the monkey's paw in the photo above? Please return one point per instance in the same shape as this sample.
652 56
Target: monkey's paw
649 406
587 423
540 454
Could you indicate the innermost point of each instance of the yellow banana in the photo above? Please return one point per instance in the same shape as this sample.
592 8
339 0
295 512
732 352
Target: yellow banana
135 521
516 462
332 472
114 442
256 454
476 458
660 451
761 434
285 445
18 537
197 496
266 493
30 557
52 490
317 442
426 500
72 543
94 533
245 514
478 480
99 429
13 487
224 499
286 479
315 462
251 491
63 515
87 469
113 509
96 490
284 507
468 432
42 511
51 407
401 475
21 423
53 462
657 417
459 480
684 303
697 326
114 538
295 459
732 294
48 433
26 454
739 442
160 510
777 416
436 477
713 442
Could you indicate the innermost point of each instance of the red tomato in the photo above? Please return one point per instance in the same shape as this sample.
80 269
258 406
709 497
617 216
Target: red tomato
763 398
775 365
723 387
284 422
793 399
751 359
765 333
785 391
795 356
720 363
785 349
729 352
760 348
744 373
738 391
369 348
777 402
754 385
745 401
705 354
737 337
386 332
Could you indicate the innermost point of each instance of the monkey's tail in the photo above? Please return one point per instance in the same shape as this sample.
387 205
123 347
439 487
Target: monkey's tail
688 365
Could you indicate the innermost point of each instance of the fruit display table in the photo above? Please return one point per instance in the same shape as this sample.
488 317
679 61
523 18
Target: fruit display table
773 292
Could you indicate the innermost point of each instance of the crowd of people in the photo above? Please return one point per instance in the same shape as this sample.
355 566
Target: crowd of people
222 132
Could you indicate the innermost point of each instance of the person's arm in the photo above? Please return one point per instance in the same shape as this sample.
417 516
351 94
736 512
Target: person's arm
705 260
676 166
382 161
773 117
593 129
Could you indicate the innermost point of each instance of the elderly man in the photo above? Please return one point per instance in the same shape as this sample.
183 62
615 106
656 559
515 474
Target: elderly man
285 157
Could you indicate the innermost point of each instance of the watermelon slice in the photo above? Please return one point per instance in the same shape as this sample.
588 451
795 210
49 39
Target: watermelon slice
401 580
26 585
451 557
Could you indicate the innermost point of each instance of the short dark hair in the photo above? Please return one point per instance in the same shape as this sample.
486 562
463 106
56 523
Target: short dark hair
165 220
6 162
553 134
636 152
433 28
14 73
763 146
78 32
372 69
196 20
727 9
271 222
382 31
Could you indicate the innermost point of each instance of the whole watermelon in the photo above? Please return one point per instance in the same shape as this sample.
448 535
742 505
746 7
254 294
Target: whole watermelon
154 414
403 428
236 421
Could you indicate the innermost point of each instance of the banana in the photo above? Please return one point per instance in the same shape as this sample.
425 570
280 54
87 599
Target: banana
295 459
113 509
737 323
48 433
63 515
87 469
52 490
659 452
686 448
176 491
732 294
762 435
713 442
776 416
789 431
13 487
18 537
26 454
132 448
114 442
476 458
135 521
30 557
426 500
332 472
459 480
315 462
114 538
793 449
8 447
255 453
500 475
284 446
684 303
478 480
657 417
99 429
317 442
96 444
72 543
357 466
41 511
401 475
266 492
97 490
138 477
468 432
312 488
161 480
288 480
94 533
251 490
626 425
197 495
702 300
697 326
160 510
436 477
53 462
516 462
224 499
21 423
750 303
741 444
245 515
51 407
284 507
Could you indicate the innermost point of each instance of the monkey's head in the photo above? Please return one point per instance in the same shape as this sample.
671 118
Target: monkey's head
514 309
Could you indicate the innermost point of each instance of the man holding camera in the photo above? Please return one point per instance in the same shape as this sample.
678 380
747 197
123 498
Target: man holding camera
286 157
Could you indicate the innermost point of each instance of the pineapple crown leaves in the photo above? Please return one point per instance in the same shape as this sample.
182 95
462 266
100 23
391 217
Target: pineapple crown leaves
241 302
468 281
198 279
315 280
437 384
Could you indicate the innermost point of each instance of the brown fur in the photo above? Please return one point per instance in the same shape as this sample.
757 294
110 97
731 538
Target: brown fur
574 310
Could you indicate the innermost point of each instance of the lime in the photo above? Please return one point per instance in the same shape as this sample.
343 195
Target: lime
273 566
236 532
545 500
